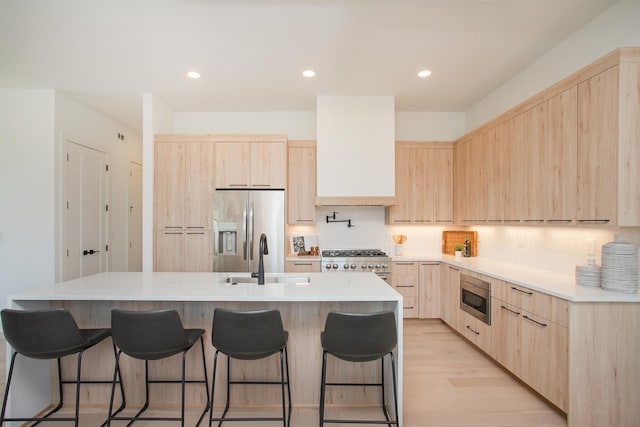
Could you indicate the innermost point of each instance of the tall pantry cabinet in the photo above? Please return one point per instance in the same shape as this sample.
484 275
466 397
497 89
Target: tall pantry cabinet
184 186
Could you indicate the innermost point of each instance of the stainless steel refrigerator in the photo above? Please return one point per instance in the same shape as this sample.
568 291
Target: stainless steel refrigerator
239 218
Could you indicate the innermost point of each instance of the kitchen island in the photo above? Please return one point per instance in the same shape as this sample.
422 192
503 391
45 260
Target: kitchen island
303 300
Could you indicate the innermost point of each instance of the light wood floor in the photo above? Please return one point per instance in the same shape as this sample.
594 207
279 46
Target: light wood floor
447 383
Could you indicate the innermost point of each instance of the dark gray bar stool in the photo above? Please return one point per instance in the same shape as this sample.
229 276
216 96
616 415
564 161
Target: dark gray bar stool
360 338
51 334
250 335
154 335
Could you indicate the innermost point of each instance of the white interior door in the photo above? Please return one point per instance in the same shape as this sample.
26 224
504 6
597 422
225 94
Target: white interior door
86 210
134 254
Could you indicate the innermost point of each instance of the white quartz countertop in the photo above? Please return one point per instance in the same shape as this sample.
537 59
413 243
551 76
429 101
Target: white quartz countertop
559 285
209 287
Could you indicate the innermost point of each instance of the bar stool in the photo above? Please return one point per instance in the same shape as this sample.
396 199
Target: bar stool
360 338
250 335
154 335
46 335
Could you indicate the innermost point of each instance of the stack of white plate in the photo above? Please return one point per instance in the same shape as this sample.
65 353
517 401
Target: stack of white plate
588 275
620 266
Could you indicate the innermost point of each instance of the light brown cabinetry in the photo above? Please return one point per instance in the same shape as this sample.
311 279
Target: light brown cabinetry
450 295
568 155
476 331
424 184
530 338
301 188
259 165
429 290
597 142
404 279
302 266
184 185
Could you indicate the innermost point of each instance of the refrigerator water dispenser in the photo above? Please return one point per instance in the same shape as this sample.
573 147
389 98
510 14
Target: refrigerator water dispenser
228 238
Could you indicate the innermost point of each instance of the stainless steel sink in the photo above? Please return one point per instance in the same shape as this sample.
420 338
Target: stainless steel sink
234 280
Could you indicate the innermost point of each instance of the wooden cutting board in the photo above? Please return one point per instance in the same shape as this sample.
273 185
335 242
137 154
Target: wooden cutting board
451 238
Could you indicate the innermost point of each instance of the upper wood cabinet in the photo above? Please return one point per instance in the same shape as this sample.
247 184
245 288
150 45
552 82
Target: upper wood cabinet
301 187
251 164
569 155
184 185
424 184
597 142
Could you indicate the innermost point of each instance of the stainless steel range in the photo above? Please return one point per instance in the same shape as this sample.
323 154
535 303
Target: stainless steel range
357 260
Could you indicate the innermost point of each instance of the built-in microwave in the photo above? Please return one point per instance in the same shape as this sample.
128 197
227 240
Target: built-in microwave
475 297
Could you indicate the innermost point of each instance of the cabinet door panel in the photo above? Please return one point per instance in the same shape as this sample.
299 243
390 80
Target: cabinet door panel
443 186
169 185
268 164
200 185
491 176
505 335
405 171
511 133
198 251
302 185
169 251
597 153
429 306
561 148
534 166
423 185
302 267
233 163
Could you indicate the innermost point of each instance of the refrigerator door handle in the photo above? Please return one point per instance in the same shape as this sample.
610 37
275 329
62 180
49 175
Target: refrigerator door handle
244 233
250 233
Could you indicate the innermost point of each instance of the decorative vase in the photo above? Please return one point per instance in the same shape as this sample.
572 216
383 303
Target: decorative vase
619 270
399 249
458 253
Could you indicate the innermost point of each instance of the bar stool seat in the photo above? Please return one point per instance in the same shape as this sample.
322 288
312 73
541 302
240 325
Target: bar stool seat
46 335
250 335
360 338
154 335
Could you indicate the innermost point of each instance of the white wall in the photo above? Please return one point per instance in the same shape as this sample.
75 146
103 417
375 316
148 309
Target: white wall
27 242
618 26
157 118
83 125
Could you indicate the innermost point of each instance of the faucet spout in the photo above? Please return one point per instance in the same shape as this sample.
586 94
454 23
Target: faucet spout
264 250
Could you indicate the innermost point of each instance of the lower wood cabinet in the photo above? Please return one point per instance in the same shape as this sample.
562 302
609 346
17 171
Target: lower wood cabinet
450 295
476 331
530 344
429 290
184 251
302 267
404 279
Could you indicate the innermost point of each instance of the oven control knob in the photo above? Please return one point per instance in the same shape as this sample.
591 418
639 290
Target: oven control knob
377 266
363 266
385 266
335 266
328 266
370 266
353 266
346 266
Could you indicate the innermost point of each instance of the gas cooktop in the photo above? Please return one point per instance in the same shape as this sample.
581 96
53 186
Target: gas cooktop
349 253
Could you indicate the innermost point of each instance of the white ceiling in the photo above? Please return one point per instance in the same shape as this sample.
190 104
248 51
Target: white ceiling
251 52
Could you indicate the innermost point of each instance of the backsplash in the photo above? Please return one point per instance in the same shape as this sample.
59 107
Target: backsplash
557 249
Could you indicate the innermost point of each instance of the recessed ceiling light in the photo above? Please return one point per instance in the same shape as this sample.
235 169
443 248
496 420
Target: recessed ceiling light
193 74
424 73
308 73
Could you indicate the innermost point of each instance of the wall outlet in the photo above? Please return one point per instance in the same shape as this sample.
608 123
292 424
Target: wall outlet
590 247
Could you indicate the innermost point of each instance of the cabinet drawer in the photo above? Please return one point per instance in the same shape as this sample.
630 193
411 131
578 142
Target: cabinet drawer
476 331
302 267
410 307
538 303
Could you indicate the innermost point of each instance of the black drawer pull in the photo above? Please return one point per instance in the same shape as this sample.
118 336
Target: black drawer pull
475 332
520 290
544 325
517 313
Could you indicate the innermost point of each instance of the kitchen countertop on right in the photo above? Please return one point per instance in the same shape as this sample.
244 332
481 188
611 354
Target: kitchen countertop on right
556 284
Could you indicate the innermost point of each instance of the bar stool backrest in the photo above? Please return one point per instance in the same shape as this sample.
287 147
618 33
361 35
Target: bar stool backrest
360 337
148 335
42 334
248 335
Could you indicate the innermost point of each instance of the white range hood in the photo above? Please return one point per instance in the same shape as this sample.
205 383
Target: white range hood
355 150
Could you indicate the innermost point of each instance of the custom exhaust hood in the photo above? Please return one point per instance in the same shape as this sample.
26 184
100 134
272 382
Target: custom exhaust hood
355 151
